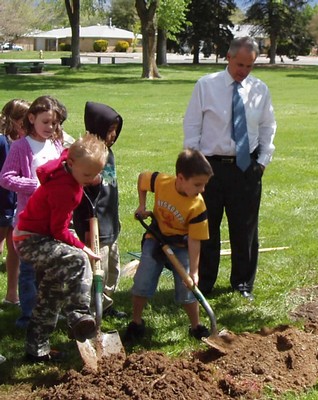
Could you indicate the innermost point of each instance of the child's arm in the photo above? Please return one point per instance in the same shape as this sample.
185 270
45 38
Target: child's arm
14 175
91 254
194 247
142 195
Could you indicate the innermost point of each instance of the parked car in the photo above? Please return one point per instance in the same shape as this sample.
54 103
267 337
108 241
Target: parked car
11 46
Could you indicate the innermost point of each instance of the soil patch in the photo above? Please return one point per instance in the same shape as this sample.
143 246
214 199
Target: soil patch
272 361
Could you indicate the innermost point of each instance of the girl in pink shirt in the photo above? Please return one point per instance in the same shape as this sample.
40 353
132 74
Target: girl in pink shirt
43 142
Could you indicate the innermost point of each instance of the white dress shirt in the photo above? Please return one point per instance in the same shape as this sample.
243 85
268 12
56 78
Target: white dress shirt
208 120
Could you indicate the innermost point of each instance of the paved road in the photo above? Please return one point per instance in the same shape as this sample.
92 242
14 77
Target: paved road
176 58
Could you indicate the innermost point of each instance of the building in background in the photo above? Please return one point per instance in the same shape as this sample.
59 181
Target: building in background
51 40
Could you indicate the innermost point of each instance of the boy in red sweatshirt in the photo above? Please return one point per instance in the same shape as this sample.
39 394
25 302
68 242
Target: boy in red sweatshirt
42 238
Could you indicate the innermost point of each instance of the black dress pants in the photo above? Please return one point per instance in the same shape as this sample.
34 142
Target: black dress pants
238 194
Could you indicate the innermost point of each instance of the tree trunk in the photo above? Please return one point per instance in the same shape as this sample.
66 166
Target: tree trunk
272 50
161 47
147 15
196 53
73 12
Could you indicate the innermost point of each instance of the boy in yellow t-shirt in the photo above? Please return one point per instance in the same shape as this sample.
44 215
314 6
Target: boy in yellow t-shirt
181 214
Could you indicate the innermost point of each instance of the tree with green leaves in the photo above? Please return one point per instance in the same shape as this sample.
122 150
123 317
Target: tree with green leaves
171 20
280 19
313 24
55 15
208 27
124 14
20 17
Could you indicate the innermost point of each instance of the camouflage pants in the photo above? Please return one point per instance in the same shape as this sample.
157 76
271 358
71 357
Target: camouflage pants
111 266
64 280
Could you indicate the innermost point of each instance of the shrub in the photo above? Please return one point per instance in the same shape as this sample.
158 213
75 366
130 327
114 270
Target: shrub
100 45
65 46
122 46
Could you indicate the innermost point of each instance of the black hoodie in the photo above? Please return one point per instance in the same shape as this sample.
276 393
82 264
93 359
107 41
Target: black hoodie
100 200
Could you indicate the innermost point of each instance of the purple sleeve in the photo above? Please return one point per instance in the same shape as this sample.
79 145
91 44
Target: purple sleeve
16 171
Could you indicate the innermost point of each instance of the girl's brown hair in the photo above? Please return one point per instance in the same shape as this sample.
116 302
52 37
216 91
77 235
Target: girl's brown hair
43 104
13 111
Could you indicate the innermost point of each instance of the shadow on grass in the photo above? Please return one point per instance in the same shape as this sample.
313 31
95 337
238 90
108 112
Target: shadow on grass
231 310
121 74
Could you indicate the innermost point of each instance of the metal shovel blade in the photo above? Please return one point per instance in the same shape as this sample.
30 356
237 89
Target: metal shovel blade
220 342
103 345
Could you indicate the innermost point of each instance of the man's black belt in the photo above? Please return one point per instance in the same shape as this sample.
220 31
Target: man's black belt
222 159
229 159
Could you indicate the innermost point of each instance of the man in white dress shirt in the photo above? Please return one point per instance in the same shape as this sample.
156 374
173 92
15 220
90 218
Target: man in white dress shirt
208 127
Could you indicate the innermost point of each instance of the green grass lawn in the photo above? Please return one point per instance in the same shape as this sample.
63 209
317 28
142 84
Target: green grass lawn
27 55
151 138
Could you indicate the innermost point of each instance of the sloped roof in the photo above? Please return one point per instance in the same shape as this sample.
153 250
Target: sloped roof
248 30
95 31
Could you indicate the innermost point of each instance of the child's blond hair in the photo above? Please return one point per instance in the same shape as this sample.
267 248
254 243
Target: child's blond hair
89 147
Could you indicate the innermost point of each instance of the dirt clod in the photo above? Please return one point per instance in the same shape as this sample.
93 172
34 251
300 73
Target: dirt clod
277 360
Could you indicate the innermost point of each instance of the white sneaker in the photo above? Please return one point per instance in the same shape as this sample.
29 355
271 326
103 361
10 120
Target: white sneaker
2 359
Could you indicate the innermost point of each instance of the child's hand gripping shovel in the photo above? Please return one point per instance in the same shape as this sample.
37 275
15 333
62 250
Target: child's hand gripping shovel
104 344
212 341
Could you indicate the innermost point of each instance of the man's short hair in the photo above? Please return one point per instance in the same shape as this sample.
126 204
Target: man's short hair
248 42
192 163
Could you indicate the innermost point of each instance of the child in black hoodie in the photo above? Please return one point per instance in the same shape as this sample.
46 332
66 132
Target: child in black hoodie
101 201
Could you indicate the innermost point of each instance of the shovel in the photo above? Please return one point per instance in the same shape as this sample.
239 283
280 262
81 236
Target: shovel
215 337
104 344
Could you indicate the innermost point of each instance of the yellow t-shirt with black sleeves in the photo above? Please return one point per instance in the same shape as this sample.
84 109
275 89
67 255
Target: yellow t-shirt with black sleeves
176 214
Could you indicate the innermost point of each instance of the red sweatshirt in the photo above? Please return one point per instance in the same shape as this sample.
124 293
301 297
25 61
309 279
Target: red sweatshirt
49 209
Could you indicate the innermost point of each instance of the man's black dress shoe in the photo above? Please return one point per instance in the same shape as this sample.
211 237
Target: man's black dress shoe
247 295
205 290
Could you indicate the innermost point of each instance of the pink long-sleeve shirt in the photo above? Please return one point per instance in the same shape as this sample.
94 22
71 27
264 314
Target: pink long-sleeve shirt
16 174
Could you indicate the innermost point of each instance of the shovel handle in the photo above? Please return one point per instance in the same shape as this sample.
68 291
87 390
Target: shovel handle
98 273
157 235
186 278
168 252
94 240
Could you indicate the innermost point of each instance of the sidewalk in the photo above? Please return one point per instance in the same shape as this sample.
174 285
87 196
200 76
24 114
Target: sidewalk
180 59
174 59
262 59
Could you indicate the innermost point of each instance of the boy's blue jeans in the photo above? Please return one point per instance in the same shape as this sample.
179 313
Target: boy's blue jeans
150 267
27 292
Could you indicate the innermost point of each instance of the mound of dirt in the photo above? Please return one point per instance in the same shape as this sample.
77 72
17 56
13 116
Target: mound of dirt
281 360
274 361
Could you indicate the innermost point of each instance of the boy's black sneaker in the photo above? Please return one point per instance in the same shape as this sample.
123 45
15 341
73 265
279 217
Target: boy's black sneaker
112 312
135 331
84 328
53 356
199 332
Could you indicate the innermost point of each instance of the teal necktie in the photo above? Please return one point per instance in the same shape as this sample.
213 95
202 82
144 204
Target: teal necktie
239 132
